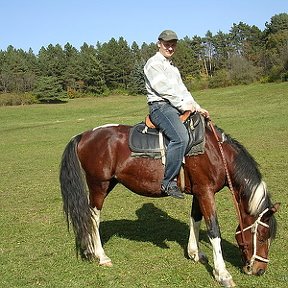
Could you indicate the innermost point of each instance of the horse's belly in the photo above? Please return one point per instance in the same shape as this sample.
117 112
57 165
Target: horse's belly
142 176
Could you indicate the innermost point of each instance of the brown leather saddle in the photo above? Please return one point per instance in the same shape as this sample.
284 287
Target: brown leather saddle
183 118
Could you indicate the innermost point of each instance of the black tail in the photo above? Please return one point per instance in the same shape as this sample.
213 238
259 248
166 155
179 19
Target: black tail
74 196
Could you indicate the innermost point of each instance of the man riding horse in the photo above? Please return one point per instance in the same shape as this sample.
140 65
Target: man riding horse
167 98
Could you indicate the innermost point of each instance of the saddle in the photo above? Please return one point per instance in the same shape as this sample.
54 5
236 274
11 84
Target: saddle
145 140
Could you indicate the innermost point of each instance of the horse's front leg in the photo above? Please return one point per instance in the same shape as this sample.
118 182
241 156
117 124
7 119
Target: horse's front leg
193 243
208 209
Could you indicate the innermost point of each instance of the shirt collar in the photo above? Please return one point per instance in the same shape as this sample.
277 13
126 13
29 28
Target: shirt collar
163 58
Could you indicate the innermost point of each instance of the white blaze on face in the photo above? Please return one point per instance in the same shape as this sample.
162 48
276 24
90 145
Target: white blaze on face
257 198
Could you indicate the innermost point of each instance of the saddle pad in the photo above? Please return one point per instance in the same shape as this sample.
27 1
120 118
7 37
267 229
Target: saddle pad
143 140
195 125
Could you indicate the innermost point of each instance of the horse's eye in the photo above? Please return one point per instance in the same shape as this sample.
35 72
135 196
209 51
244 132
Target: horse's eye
261 239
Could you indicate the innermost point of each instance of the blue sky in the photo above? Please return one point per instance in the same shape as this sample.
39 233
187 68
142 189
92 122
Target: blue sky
34 23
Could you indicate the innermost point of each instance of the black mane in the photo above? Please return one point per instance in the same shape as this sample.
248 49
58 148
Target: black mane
248 177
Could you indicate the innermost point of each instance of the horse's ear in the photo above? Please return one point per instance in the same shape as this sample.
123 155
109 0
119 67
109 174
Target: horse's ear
272 210
276 207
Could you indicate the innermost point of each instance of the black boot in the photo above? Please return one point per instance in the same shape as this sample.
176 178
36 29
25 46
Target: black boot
173 191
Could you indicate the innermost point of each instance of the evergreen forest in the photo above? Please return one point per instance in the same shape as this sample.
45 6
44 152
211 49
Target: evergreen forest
242 56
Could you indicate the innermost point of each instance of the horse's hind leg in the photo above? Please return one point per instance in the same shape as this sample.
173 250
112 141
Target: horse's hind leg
193 243
97 195
96 245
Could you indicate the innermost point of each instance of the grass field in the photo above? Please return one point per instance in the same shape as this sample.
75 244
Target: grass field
145 238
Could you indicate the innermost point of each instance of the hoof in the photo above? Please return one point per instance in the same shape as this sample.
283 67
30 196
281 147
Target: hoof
227 283
106 264
198 257
225 280
105 261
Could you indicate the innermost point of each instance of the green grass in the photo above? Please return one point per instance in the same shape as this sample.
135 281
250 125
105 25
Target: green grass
145 238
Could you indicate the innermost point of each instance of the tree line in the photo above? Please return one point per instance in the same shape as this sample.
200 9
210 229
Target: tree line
243 55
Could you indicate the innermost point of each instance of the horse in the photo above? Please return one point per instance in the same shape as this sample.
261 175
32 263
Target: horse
95 161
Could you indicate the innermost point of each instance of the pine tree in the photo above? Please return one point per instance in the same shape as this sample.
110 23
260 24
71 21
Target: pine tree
137 82
48 89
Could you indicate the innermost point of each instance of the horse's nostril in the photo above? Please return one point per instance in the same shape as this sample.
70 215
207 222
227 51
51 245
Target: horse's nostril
260 272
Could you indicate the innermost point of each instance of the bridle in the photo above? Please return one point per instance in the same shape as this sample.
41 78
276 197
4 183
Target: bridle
254 226
254 229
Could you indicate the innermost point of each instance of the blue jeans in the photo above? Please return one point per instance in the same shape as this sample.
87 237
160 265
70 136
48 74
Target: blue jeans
166 118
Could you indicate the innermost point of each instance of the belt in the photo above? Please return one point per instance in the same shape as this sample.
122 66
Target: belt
160 101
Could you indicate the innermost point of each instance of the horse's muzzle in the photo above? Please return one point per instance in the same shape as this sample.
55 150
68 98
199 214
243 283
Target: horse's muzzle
254 269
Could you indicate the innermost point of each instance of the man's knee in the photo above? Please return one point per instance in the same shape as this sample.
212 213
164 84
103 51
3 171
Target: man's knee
185 139
182 140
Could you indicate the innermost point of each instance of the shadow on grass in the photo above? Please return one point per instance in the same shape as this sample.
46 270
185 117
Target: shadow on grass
156 226
53 101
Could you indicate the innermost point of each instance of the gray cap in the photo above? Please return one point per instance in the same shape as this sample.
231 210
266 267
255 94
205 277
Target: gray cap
168 35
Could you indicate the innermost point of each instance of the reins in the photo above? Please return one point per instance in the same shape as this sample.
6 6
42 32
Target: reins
258 221
229 182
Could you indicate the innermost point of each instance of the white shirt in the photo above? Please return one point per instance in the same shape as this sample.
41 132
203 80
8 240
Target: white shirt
163 82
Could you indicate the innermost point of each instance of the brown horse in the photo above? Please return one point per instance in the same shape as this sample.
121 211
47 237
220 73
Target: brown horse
101 158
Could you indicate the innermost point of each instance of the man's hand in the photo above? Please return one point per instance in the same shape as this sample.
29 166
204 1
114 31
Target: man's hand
204 112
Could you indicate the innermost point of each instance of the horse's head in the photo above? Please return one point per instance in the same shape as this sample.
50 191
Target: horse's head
255 239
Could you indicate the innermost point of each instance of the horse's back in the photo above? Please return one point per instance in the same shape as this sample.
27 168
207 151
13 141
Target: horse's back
99 149
107 134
